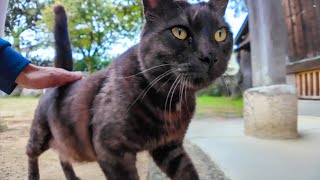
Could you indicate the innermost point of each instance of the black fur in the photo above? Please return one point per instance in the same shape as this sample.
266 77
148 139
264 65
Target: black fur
144 100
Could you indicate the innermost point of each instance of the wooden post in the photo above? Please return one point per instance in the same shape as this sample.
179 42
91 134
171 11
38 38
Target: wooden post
3 12
298 82
314 78
318 83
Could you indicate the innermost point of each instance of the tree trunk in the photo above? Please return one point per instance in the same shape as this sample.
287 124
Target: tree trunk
89 61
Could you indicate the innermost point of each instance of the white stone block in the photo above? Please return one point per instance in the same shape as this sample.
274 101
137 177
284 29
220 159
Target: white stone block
271 112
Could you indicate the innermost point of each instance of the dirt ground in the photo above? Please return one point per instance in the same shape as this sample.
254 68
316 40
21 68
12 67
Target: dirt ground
15 121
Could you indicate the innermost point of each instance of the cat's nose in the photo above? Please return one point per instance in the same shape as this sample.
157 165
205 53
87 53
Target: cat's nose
211 58
206 60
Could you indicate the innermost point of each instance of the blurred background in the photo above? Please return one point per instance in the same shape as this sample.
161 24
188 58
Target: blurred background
271 89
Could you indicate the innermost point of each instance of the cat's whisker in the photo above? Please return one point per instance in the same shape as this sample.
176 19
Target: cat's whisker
181 97
228 91
168 97
185 94
251 107
174 89
156 81
165 106
146 70
144 91
165 83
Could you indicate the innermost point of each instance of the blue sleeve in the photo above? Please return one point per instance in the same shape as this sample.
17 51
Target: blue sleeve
11 64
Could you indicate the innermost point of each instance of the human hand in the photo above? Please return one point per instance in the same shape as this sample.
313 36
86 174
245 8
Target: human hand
35 77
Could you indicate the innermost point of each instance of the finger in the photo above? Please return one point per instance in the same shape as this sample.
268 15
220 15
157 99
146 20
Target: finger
65 77
73 76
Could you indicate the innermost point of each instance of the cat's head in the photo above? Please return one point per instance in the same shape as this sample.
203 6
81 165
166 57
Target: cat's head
192 40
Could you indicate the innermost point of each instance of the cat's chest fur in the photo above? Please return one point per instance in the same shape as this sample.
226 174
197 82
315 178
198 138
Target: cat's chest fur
140 113
173 122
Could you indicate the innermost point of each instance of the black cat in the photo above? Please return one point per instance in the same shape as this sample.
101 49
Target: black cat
144 100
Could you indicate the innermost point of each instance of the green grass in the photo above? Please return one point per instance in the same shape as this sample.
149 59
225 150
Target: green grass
219 106
5 100
17 108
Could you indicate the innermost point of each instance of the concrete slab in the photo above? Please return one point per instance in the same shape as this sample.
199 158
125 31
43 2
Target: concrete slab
309 107
246 158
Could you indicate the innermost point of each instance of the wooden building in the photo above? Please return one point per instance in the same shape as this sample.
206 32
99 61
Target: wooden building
303 24
243 55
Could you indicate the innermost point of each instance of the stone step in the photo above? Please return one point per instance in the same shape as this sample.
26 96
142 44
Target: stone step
206 168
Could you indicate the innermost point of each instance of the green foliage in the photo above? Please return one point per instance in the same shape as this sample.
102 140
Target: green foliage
80 65
102 64
41 62
97 24
213 90
22 15
219 106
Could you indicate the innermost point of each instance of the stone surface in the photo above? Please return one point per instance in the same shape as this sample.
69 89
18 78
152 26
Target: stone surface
206 169
309 107
246 158
31 93
271 112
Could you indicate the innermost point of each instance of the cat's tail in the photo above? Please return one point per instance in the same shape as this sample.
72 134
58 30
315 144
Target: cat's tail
63 58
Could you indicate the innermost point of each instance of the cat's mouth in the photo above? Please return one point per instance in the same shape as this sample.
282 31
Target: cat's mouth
197 76
189 68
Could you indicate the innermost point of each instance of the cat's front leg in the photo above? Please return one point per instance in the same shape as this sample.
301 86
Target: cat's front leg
118 167
115 161
174 161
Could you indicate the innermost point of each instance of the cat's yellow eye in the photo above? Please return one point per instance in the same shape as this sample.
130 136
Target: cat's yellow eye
221 35
180 33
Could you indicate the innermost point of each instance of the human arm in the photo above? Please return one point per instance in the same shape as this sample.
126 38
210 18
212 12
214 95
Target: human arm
15 69
11 64
35 77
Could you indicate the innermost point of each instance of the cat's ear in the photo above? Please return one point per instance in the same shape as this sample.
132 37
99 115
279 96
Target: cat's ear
219 6
150 5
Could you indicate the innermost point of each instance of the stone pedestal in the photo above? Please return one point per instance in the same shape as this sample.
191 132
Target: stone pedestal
271 112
